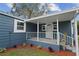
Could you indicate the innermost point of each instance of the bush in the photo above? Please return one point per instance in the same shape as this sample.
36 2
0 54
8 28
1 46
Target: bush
1 50
4 49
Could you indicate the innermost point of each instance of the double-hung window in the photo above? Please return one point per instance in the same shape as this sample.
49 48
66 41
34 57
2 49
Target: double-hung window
19 26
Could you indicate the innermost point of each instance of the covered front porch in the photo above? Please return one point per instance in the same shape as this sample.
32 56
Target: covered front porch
54 33
53 30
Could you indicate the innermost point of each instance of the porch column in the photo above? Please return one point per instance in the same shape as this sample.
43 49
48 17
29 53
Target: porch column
37 30
57 32
76 36
72 35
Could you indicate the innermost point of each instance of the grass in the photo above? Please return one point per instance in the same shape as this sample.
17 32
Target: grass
26 52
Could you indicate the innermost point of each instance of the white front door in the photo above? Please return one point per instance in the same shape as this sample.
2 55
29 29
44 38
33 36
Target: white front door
49 31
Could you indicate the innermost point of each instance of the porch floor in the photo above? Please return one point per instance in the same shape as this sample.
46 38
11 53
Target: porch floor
45 40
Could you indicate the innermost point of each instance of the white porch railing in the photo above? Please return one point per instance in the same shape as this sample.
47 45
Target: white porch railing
69 39
49 37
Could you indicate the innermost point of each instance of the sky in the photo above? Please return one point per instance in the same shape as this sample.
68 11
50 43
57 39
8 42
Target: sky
6 7
53 6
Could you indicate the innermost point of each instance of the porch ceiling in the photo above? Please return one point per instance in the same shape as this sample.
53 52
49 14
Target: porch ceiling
62 16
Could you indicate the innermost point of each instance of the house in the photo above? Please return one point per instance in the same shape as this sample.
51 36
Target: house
54 30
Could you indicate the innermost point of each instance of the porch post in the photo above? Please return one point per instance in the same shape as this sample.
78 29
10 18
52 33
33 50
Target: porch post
37 30
57 32
76 36
72 35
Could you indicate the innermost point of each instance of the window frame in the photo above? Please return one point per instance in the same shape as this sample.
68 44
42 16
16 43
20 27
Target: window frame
43 28
54 26
16 24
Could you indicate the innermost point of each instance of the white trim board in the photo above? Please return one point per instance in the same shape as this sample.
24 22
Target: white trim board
15 26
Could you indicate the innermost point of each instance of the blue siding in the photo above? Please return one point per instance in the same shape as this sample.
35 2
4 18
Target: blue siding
31 27
65 27
5 27
17 38
7 37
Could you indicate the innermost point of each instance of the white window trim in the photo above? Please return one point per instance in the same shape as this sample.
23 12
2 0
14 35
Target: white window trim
53 27
42 28
15 26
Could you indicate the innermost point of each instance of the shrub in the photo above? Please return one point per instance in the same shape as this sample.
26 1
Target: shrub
4 49
1 50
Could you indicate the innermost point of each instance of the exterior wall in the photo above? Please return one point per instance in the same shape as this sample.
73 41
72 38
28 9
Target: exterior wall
65 27
31 27
17 38
7 37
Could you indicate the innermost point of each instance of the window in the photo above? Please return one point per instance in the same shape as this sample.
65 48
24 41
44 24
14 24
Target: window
43 27
19 26
54 26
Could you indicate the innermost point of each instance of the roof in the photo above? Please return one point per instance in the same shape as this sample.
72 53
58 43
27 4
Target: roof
10 15
62 16
72 11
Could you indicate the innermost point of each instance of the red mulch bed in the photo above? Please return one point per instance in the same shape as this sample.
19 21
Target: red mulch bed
65 53
59 53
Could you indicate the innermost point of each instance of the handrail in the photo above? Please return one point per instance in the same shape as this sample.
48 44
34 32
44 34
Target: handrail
52 32
54 35
67 35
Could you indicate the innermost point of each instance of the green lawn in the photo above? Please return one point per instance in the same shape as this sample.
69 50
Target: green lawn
26 52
